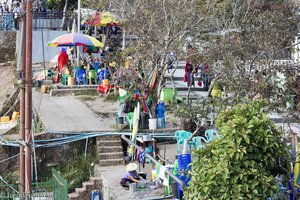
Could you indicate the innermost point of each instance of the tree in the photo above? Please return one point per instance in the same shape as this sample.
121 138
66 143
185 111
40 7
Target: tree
248 36
243 163
163 26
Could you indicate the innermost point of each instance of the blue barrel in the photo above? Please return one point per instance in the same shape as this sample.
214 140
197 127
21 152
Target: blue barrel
183 167
95 195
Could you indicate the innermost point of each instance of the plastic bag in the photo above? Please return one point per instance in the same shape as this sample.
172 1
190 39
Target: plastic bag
185 78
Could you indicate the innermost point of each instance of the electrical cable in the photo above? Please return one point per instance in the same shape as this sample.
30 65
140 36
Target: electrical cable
6 159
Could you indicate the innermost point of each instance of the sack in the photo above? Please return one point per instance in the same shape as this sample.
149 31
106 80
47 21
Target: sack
185 78
200 83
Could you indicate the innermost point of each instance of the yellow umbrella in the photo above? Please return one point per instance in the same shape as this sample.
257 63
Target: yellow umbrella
102 19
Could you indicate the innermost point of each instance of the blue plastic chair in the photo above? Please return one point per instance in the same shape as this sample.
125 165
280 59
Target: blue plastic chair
160 113
211 135
180 136
198 142
80 77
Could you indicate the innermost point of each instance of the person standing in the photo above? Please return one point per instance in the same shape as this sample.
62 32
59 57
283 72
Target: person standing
62 59
190 71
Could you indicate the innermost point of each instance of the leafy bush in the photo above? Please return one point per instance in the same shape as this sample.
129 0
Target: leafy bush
242 164
77 170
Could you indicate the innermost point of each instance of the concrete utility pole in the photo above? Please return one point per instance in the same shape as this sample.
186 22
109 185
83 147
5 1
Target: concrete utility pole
78 29
28 98
22 100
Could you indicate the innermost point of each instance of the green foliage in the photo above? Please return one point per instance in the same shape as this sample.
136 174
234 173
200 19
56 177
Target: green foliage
242 164
77 170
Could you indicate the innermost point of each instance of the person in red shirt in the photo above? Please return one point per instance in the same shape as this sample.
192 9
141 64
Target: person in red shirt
190 71
62 59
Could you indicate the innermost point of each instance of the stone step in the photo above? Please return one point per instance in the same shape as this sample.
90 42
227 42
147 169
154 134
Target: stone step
183 85
111 155
97 181
80 190
102 143
111 162
110 149
88 185
107 138
73 196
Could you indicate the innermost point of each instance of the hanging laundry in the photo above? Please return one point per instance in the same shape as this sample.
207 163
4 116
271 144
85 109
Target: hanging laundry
141 156
162 175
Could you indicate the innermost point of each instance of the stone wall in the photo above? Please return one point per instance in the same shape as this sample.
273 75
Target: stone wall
8 46
46 158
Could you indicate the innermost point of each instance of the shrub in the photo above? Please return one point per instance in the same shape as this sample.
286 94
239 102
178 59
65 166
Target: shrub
242 164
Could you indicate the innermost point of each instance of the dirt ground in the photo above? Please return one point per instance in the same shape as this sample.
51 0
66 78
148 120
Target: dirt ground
7 80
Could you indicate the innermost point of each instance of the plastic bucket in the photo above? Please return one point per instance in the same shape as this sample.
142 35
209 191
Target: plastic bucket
143 175
146 137
152 124
121 120
44 89
105 82
144 121
15 116
132 187
70 81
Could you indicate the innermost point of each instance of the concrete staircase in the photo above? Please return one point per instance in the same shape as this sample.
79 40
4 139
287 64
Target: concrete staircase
110 151
95 183
180 85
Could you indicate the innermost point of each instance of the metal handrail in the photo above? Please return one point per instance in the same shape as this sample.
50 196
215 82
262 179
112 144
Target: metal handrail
175 178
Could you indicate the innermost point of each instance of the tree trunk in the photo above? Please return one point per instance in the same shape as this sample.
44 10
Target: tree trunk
63 22
161 78
123 39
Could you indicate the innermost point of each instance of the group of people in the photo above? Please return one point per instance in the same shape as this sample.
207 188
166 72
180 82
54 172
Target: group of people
89 63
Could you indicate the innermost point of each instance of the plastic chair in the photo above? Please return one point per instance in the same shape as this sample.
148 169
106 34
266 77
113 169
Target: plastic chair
64 79
180 136
198 142
80 77
211 135
92 75
130 119
160 113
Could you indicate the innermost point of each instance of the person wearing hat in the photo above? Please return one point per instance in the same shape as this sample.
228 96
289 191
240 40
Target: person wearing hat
131 175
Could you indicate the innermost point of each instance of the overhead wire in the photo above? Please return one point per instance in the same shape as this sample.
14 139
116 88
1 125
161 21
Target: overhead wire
9 158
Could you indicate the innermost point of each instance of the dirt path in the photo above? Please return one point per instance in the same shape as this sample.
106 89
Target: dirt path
7 79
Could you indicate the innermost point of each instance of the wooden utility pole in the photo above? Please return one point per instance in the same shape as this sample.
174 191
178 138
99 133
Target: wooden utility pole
22 100
28 98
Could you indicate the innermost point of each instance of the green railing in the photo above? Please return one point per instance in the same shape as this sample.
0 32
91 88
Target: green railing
60 186
56 189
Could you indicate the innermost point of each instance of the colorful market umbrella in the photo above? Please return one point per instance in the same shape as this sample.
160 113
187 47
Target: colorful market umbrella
102 19
75 39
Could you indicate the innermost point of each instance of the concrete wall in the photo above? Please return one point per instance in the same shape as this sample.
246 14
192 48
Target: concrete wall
40 40
7 46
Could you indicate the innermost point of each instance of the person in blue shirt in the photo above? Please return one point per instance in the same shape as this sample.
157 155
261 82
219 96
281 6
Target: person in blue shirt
131 175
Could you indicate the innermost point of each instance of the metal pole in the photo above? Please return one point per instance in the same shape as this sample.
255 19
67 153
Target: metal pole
155 161
22 101
28 99
78 28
